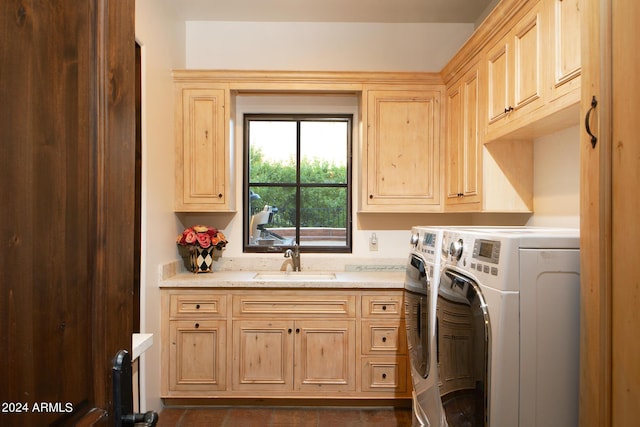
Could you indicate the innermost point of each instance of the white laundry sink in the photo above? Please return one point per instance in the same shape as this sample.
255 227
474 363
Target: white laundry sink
294 276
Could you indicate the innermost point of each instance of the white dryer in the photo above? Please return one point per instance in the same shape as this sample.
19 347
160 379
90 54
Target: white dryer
507 327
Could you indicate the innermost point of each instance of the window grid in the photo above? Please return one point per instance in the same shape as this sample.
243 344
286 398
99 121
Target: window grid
297 185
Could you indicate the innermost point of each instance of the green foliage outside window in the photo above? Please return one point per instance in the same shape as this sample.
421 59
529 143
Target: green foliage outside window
321 205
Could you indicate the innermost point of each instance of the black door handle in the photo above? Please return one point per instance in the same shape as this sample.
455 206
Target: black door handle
594 139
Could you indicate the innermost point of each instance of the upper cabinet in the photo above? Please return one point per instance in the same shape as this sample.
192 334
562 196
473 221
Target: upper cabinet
401 148
460 140
528 81
533 69
515 71
463 148
202 149
564 38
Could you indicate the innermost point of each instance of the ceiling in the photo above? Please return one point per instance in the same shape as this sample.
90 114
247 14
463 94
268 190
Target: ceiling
388 11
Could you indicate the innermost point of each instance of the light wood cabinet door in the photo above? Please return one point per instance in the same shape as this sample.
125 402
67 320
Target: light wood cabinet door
564 36
609 345
202 164
463 153
325 355
515 70
499 84
263 355
197 355
305 355
401 151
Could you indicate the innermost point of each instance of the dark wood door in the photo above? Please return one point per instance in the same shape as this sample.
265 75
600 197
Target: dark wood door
67 132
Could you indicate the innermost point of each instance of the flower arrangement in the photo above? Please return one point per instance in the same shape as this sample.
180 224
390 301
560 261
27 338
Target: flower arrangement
202 236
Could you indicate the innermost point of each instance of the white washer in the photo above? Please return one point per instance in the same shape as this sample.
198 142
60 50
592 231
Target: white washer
421 290
508 327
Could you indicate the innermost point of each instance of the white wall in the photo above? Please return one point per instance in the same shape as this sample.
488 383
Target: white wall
322 46
162 41
556 179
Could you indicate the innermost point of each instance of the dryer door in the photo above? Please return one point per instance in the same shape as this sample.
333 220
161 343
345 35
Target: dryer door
463 336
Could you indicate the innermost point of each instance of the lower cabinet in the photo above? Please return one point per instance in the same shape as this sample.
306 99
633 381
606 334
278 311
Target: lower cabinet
248 343
384 344
307 355
197 349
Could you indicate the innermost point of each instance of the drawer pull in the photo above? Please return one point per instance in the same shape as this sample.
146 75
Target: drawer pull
197 306
197 325
384 376
384 308
384 339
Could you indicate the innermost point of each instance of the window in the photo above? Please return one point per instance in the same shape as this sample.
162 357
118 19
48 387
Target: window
297 182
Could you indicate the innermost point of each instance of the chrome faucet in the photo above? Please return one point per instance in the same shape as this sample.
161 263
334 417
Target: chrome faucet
294 253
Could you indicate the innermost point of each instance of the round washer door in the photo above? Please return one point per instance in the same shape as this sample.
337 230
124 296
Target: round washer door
463 339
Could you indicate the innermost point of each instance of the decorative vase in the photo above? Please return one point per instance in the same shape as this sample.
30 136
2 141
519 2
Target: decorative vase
201 259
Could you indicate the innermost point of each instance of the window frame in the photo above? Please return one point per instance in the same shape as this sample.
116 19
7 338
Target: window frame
297 117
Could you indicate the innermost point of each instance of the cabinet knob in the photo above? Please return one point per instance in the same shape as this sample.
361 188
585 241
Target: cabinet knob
290 330
197 306
384 376
371 196
220 196
297 330
197 325
384 308
384 339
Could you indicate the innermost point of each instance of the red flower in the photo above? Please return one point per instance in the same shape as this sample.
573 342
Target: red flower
203 236
204 240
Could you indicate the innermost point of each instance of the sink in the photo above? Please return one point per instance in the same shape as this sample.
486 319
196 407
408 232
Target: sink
293 276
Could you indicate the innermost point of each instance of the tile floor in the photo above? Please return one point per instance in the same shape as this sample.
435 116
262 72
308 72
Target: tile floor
284 417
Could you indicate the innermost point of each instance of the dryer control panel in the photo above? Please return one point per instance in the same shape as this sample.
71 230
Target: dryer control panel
475 254
487 250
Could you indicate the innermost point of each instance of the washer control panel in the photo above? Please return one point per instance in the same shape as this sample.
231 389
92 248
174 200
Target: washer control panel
424 243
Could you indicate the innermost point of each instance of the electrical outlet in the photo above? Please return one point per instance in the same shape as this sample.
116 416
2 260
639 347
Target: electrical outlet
373 242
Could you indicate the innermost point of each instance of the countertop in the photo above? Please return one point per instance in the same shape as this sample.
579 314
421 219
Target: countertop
291 280
140 343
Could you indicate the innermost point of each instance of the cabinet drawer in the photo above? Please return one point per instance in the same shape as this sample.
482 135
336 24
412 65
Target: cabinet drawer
384 337
294 306
382 306
384 374
197 305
